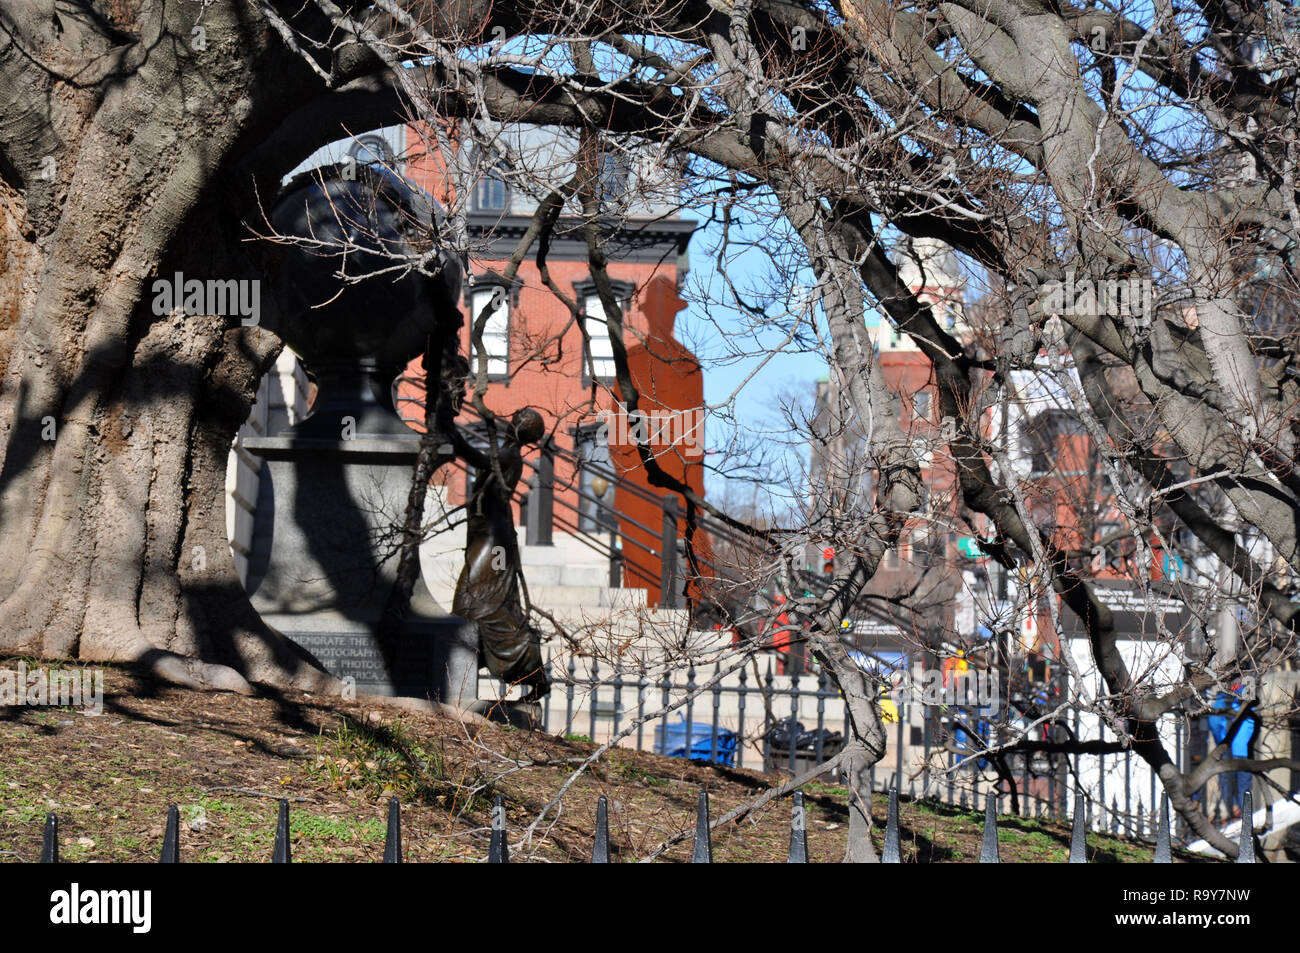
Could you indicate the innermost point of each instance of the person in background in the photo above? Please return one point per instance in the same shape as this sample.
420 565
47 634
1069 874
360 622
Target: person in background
1233 785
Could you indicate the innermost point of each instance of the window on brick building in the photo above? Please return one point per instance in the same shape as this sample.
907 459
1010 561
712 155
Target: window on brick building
491 193
921 404
614 178
602 351
597 328
496 332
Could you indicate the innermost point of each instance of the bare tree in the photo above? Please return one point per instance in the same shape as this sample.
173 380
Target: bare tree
1043 145
1055 149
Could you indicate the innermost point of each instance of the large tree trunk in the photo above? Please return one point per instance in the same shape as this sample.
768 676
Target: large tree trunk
115 422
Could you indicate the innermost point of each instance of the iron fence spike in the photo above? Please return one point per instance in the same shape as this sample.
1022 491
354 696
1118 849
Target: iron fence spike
703 851
600 850
1078 854
281 853
989 847
798 832
1246 839
50 846
499 850
393 842
1162 854
891 853
171 849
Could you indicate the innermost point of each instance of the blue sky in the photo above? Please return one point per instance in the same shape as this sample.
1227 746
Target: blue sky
796 367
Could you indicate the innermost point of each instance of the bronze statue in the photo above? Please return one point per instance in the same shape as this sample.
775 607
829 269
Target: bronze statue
487 592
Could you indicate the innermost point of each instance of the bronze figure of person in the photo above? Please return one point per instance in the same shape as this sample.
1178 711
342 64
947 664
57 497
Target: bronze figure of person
487 592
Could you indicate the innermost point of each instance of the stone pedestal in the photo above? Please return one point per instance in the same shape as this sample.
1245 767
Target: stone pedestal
339 506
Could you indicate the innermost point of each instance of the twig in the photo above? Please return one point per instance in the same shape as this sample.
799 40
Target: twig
251 793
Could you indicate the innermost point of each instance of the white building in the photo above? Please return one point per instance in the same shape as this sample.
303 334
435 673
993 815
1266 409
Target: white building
931 270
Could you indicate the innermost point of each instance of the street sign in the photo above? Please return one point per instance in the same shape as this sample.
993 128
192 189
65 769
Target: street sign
1137 613
969 547
1174 567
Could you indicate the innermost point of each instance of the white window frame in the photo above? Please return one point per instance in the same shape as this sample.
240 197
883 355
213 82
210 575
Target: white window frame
602 349
496 332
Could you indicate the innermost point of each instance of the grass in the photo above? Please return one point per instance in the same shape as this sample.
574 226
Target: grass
226 759
823 789
394 761
248 831
384 762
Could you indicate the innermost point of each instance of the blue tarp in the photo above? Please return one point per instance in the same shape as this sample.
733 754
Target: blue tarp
672 740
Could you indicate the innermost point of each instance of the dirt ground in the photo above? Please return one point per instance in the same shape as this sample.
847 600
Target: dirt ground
226 759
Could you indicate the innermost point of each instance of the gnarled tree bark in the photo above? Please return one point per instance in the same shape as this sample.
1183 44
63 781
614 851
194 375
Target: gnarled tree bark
142 142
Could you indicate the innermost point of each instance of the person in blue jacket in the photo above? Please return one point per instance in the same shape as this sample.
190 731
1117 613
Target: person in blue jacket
1233 784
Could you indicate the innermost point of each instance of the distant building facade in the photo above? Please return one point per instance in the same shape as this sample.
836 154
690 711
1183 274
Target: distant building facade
534 348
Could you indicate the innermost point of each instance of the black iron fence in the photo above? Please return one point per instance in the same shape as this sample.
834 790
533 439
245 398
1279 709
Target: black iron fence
584 704
766 718
702 848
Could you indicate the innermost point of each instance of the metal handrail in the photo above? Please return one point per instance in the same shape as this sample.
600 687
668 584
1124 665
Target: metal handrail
591 540
556 449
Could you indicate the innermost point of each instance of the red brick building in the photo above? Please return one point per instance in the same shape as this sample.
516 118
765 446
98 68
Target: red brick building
536 358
